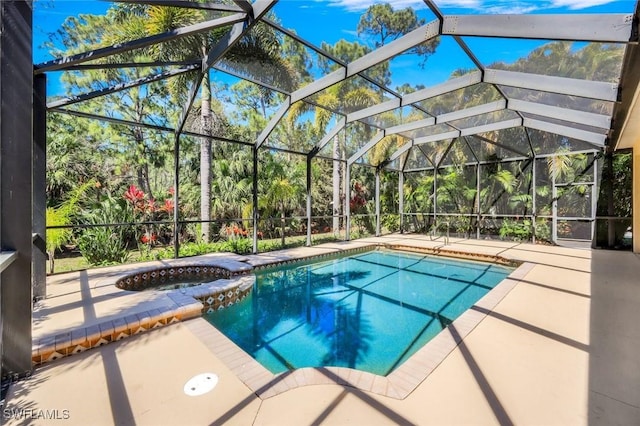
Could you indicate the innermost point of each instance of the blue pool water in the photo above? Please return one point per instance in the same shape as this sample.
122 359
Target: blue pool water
370 311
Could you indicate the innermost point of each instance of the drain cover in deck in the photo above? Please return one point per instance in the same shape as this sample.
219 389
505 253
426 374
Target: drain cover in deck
201 384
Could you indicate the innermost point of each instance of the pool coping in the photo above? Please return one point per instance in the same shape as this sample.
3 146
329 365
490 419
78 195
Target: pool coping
402 381
187 304
178 305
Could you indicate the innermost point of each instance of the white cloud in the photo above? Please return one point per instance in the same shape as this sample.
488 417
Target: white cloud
359 5
482 6
579 4
513 9
474 4
350 32
494 6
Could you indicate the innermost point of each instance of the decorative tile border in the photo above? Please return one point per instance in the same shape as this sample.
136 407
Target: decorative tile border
438 251
144 279
316 257
220 294
183 304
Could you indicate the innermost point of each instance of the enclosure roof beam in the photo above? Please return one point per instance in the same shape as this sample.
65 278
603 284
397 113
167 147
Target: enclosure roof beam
502 160
239 29
249 79
404 148
596 139
565 114
362 151
445 153
273 122
437 137
245 6
414 125
565 86
448 86
470 112
332 134
417 96
187 4
319 85
501 145
325 54
388 51
428 122
491 127
607 28
62 63
466 141
145 125
429 160
412 39
389 105
121 65
434 9
120 87
456 115
110 119
193 92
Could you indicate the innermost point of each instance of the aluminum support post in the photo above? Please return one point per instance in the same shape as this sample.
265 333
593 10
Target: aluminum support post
554 210
533 199
401 200
479 215
309 159
347 201
39 198
594 202
254 193
176 196
435 195
377 200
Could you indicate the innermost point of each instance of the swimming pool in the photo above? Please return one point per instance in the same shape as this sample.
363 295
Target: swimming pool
370 311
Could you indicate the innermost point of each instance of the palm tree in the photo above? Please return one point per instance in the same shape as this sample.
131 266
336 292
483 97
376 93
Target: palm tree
260 44
282 189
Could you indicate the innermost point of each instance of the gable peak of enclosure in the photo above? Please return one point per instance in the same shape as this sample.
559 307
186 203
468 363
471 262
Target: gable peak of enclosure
435 82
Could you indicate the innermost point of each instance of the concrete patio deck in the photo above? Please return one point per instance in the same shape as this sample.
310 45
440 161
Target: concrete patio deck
559 348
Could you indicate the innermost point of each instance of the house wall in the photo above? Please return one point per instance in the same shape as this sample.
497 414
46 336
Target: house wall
16 159
636 194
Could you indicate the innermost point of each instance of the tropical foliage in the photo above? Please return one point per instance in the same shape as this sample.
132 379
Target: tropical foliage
130 169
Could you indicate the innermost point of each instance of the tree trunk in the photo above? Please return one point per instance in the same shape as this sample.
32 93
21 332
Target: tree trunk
335 208
51 261
142 167
282 225
205 160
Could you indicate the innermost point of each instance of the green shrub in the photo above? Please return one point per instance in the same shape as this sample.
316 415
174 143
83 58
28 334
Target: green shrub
543 231
390 222
239 245
105 245
516 230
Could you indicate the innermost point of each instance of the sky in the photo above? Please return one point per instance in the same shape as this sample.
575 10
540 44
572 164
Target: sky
332 20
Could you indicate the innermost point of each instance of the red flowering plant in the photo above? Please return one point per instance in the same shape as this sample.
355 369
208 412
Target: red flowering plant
136 198
357 207
146 209
358 200
237 238
234 231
